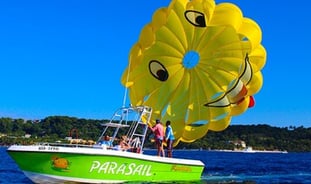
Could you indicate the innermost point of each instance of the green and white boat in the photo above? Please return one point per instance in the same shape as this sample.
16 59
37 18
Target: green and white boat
62 163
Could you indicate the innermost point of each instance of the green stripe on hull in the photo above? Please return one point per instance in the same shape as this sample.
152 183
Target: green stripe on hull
103 167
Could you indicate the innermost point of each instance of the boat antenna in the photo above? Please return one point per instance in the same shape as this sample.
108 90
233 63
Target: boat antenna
127 79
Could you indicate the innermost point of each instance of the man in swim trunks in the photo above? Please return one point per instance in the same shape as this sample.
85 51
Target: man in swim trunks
158 131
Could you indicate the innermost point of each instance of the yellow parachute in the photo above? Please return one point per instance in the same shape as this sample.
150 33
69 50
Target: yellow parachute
196 64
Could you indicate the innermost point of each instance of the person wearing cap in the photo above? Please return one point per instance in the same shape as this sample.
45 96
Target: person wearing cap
169 138
105 142
158 131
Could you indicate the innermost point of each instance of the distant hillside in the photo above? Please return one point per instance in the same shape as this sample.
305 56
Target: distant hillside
262 137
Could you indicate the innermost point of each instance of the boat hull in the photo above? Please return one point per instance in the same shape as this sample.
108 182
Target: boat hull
44 164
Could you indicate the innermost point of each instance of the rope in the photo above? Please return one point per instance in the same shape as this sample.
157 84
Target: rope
127 79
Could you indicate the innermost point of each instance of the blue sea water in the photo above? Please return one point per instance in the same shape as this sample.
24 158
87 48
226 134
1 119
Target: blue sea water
220 167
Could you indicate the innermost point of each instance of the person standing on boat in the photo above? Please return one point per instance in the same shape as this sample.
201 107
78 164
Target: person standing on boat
169 138
158 131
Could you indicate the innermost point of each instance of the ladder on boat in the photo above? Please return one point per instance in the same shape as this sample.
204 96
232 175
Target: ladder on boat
136 120
138 130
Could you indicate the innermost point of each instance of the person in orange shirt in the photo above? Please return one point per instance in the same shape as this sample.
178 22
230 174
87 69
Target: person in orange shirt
158 131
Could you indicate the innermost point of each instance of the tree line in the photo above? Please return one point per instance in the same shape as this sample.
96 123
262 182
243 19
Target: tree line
259 137
53 128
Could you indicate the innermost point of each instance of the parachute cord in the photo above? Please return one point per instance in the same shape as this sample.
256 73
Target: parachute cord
124 97
127 79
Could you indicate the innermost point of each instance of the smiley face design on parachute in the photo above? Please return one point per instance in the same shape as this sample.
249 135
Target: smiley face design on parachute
158 70
196 64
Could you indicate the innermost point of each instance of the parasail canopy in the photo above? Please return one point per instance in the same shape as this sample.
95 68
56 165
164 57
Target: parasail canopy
196 64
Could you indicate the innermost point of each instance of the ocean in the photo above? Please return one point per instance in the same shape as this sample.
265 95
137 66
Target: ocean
220 167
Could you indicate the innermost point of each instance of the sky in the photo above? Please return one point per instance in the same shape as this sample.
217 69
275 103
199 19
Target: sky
66 57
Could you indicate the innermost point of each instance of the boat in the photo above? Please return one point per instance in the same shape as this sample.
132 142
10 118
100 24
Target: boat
249 149
63 163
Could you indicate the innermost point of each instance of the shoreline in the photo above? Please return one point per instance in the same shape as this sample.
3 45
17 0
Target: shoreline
224 150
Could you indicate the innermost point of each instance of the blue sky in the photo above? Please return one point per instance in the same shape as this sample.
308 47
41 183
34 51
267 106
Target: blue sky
65 57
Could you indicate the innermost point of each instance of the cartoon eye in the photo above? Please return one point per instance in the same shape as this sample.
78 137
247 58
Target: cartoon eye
158 70
195 18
